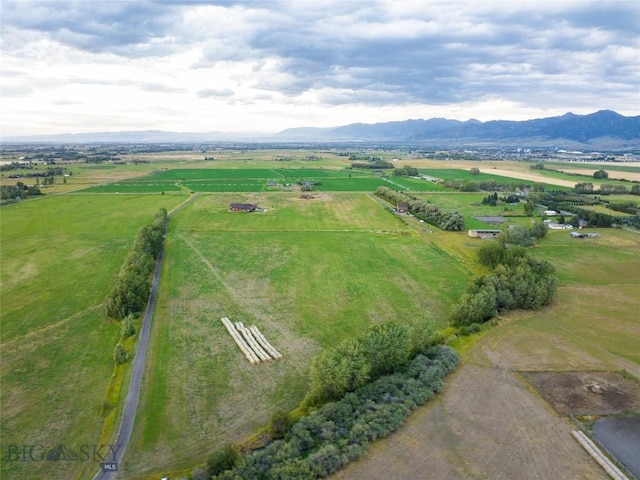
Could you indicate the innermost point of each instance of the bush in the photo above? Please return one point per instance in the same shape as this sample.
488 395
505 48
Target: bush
222 459
120 355
281 423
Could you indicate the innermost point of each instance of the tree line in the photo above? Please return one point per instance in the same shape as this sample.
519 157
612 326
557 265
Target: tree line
406 171
423 210
132 286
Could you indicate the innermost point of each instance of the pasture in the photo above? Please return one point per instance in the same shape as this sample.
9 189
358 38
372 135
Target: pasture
59 255
308 273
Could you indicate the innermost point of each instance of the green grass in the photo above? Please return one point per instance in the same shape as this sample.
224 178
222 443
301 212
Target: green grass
465 175
610 259
608 167
308 273
222 180
59 255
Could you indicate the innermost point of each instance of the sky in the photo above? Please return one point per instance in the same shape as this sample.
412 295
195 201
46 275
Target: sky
264 66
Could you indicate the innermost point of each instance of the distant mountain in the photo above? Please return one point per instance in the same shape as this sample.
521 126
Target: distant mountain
599 130
603 128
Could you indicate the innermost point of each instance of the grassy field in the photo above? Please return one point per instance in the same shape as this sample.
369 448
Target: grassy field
247 178
308 273
489 422
59 255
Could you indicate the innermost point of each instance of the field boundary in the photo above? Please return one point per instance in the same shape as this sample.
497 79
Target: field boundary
595 453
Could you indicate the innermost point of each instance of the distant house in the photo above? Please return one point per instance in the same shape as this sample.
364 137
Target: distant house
402 207
549 213
484 234
243 207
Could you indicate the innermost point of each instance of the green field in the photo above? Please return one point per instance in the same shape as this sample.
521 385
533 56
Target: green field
458 174
593 321
244 179
308 273
59 255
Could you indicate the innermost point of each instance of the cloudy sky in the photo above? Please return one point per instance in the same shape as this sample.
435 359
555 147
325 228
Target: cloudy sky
199 66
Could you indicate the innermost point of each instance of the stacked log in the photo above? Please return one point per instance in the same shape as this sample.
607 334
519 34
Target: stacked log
265 343
251 342
253 359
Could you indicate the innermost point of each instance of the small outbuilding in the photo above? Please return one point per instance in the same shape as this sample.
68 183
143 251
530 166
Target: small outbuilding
402 207
484 234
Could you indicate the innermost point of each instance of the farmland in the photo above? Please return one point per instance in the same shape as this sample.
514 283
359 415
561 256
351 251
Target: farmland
460 434
308 273
58 260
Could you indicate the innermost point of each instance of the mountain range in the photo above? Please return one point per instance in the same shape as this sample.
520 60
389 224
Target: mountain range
602 129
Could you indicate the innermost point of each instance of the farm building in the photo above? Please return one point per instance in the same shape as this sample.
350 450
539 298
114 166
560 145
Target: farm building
243 207
484 233
558 226
402 207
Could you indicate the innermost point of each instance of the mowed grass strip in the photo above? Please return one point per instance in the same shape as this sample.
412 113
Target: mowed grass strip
336 267
59 256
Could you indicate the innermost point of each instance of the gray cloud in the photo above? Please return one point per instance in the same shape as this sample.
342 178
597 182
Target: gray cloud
369 52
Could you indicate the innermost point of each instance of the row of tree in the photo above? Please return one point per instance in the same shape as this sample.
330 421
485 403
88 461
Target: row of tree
381 165
322 442
517 281
490 186
132 286
406 171
423 210
606 189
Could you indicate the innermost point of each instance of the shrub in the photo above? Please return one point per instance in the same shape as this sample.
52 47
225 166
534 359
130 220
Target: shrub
120 355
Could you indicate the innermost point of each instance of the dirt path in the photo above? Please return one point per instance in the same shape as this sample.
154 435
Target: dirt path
40 331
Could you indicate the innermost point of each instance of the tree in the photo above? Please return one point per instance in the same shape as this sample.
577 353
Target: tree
474 171
517 235
538 229
599 174
583 188
529 207
339 370
120 355
387 347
